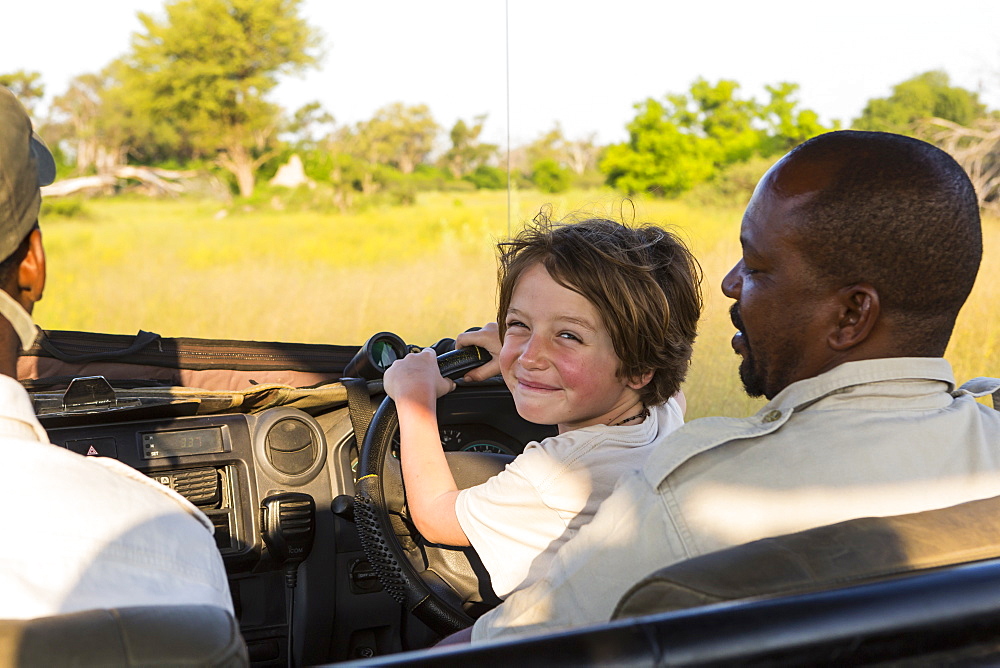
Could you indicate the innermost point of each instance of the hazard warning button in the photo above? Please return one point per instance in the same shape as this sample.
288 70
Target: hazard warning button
94 447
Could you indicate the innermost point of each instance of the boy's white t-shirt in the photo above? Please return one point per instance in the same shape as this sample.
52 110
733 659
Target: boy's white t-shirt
518 519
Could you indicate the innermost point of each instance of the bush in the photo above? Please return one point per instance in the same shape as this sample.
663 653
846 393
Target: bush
427 178
63 207
458 186
731 186
487 178
549 177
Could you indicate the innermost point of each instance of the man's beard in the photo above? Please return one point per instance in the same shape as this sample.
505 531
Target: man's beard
753 381
751 375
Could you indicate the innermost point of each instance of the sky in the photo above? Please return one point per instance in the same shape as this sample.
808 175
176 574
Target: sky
529 64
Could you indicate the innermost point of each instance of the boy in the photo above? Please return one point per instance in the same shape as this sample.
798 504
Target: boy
597 321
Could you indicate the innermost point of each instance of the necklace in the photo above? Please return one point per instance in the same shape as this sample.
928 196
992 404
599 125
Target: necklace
644 413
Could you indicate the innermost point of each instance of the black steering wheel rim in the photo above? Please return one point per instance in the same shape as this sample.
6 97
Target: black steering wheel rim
410 587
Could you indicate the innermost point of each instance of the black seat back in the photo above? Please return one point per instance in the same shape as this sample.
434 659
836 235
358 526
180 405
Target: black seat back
182 635
848 553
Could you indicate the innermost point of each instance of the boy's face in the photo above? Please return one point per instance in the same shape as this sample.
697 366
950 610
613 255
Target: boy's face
558 360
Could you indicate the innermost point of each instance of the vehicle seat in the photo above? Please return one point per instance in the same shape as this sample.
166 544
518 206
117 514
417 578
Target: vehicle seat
179 635
848 553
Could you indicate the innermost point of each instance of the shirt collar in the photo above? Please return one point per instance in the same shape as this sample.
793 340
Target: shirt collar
706 433
848 374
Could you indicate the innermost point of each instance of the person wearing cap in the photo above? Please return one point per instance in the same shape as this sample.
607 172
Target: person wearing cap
859 250
80 533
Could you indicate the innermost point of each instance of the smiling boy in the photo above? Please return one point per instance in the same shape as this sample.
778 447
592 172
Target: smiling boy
597 321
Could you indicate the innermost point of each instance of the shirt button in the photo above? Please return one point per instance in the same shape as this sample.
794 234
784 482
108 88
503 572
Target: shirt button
772 416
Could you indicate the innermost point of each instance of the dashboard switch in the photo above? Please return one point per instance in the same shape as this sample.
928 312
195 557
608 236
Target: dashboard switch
343 506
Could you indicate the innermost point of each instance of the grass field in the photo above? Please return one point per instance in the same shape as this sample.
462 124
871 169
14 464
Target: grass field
425 272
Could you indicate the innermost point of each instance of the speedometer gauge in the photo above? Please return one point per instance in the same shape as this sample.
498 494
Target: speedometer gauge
482 445
469 438
451 438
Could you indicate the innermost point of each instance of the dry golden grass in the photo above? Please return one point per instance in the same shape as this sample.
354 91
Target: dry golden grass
424 272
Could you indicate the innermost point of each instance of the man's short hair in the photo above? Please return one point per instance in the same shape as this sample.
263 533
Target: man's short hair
902 215
643 281
10 264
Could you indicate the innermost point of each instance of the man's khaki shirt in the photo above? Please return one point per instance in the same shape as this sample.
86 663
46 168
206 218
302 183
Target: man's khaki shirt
871 438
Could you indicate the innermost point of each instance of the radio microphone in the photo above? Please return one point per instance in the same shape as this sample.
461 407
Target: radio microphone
288 525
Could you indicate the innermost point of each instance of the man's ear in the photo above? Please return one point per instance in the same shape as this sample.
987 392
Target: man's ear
31 272
859 309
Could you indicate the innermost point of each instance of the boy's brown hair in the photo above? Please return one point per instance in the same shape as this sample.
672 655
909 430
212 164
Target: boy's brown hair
643 281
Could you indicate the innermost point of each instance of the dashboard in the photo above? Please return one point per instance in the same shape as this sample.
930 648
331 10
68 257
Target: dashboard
221 463
231 465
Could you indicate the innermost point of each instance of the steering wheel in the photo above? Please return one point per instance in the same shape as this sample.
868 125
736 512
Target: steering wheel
445 587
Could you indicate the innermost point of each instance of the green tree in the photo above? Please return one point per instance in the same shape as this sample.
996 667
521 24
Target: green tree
27 86
206 69
719 114
380 154
307 125
676 144
927 95
581 154
549 146
467 153
308 129
659 157
354 167
787 126
81 125
578 156
398 135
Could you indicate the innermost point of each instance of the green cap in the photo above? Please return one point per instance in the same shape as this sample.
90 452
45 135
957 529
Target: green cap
25 165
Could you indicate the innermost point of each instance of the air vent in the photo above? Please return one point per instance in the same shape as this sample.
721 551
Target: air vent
199 486
291 446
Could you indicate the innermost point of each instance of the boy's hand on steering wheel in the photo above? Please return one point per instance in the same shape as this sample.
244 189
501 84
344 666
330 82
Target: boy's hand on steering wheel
487 337
416 376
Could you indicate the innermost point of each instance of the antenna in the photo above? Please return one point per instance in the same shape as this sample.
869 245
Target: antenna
506 11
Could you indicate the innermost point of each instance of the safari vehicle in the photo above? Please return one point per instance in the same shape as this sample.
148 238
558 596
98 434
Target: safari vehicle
290 449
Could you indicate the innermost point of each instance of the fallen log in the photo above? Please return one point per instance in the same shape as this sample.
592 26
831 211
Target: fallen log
160 181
